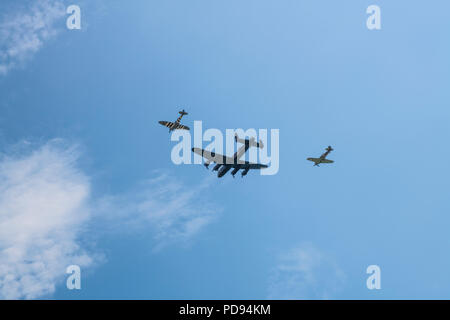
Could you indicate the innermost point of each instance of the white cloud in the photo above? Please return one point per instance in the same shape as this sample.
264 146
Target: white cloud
24 33
43 208
46 205
173 211
305 273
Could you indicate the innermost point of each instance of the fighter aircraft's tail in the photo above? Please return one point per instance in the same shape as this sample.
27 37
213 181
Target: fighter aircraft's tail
251 142
182 113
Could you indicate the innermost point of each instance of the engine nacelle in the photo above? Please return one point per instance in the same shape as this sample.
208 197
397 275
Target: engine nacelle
244 173
234 171
216 167
223 171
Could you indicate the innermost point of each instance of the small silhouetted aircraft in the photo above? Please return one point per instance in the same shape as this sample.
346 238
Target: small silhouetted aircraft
224 163
175 125
322 158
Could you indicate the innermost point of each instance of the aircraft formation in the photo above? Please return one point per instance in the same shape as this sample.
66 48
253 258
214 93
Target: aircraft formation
223 164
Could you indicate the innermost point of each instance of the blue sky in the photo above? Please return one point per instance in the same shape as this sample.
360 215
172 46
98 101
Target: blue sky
84 157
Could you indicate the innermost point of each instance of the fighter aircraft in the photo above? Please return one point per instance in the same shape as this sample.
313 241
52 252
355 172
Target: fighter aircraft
224 163
175 125
322 158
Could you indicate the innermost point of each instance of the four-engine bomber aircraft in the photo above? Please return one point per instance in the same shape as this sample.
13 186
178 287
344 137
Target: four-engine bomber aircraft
224 163
175 125
322 158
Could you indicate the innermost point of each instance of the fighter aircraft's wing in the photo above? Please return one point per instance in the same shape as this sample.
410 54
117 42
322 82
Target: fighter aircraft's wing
212 156
166 123
320 160
172 125
182 127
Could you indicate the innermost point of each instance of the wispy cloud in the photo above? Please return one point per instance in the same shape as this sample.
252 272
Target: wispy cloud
165 206
43 208
305 273
46 207
23 33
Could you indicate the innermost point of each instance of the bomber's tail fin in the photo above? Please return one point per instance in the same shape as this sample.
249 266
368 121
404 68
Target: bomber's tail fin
182 112
251 142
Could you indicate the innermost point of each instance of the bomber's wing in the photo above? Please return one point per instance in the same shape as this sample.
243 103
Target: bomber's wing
246 166
313 159
212 156
249 165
